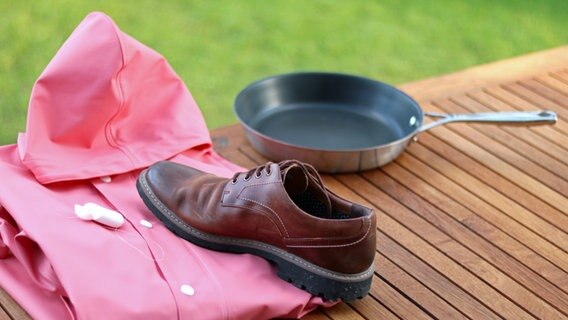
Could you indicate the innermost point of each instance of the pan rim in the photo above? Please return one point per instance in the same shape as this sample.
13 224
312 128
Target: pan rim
325 73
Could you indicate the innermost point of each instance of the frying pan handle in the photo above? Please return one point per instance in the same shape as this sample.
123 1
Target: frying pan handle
523 118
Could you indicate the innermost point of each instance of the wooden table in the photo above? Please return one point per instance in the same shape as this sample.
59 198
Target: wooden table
472 219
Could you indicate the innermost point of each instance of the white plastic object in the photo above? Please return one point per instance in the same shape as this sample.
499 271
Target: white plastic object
187 290
146 223
102 215
106 179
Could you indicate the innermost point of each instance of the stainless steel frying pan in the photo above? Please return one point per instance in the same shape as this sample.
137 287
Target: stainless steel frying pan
343 123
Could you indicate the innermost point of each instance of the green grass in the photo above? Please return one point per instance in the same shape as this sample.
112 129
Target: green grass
218 47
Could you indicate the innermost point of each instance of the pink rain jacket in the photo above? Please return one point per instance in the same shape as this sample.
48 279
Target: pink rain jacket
106 107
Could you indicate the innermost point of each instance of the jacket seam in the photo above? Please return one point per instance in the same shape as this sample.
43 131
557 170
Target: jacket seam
109 136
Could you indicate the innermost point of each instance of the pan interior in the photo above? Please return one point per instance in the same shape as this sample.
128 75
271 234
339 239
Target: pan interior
329 126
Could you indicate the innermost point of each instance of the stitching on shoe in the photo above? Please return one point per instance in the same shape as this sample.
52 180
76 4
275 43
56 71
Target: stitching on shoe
258 210
262 204
271 210
256 184
365 274
334 245
258 203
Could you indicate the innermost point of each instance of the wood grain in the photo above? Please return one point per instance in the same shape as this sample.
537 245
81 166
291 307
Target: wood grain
498 165
481 180
491 221
434 204
518 139
372 309
545 91
520 103
503 151
552 137
552 82
540 102
537 99
11 308
476 103
4 315
342 311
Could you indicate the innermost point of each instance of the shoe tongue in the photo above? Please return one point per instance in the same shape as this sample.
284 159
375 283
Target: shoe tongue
296 181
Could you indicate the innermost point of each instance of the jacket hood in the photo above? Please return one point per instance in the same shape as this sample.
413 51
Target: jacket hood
106 104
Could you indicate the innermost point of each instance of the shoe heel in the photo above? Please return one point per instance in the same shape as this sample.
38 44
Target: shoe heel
324 287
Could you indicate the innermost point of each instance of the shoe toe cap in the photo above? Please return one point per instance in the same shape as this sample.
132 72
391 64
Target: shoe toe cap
165 177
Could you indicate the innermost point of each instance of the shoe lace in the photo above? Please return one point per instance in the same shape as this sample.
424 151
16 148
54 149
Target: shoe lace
308 169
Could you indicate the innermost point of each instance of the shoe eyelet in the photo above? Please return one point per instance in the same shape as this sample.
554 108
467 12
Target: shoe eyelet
246 179
257 176
233 181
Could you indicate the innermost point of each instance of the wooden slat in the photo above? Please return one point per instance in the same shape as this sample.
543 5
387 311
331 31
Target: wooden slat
551 81
4 315
459 252
546 92
535 136
540 226
537 100
394 301
460 185
560 129
561 75
503 152
433 279
373 309
11 308
519 139
342 311
501 167
440 149
489 177
416 291
431 202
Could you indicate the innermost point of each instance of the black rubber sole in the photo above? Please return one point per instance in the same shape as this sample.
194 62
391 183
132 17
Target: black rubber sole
318 281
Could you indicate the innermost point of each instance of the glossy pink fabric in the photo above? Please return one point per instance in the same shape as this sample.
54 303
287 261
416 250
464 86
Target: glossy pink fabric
106 105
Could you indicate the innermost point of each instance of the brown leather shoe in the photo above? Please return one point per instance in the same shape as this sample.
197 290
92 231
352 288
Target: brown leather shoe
282 212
